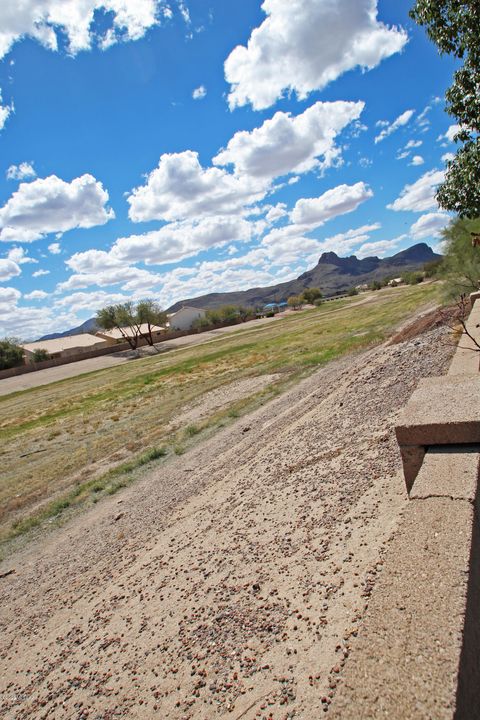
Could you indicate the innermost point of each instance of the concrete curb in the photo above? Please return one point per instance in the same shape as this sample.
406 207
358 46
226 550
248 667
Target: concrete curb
418 654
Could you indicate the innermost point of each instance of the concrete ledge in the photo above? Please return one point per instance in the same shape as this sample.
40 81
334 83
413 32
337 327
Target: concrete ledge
449 472
441 411
406 662
418 653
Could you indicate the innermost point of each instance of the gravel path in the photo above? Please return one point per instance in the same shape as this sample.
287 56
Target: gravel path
228 582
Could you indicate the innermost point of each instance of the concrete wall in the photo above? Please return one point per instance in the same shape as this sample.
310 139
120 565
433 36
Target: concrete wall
417 656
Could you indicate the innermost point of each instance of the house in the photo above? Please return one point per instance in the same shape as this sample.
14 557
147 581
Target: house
120 335
184 318
64 346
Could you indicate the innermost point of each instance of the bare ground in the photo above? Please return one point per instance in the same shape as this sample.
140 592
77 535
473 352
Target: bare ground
229 582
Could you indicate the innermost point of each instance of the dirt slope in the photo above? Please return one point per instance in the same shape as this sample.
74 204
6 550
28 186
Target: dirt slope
229 582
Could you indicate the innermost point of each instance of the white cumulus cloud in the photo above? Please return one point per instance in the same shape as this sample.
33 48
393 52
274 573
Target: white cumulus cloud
180 189
389 128
417 160
54 248
345 242
50 204
337 201
378 249
5 111
177 241
413 144
303 45
420 196
18 255
429 225
8 269
449 136
199 93
39 273
286 144
48 20
36 295
21 172
8 297
91 301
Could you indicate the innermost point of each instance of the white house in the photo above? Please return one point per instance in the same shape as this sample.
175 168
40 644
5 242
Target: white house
184 318
64 346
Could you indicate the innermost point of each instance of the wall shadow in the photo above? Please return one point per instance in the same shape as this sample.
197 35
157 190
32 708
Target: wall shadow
468 684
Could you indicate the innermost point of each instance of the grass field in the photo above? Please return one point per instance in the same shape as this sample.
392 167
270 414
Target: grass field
66 444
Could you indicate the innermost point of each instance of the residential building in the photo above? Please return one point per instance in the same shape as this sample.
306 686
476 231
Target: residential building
184 318
64 346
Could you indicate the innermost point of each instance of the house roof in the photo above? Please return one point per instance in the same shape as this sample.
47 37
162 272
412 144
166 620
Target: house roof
64 343
116 334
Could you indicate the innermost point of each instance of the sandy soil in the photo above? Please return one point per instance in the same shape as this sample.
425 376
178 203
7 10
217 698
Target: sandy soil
229 581
219 398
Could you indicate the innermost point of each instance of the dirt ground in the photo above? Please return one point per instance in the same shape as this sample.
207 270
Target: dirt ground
231 581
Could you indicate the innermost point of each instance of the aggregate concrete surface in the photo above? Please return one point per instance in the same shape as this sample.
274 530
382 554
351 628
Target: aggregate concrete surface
230 581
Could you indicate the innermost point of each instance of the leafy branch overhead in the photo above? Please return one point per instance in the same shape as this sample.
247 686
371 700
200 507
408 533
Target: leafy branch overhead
454 27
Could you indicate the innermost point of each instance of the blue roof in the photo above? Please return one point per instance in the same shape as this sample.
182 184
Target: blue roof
273 305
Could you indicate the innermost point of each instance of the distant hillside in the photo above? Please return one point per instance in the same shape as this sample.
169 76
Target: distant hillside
89 326
332 274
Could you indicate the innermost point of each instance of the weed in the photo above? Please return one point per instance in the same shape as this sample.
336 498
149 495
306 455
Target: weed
192 430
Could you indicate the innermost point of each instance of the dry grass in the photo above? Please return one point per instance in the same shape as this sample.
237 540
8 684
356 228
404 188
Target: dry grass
72 441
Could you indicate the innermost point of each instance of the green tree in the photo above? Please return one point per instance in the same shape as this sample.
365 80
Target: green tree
432 268
311 294
412 277
244 313
128 318
149 313
453 25
295 301
40 354
353 291
229 313
461 263
214 317
113 317
11 354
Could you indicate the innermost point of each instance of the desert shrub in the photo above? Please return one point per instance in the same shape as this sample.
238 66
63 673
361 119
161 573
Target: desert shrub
11 354
40 354
412 278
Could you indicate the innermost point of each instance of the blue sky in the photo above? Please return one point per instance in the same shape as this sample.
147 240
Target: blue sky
169 148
